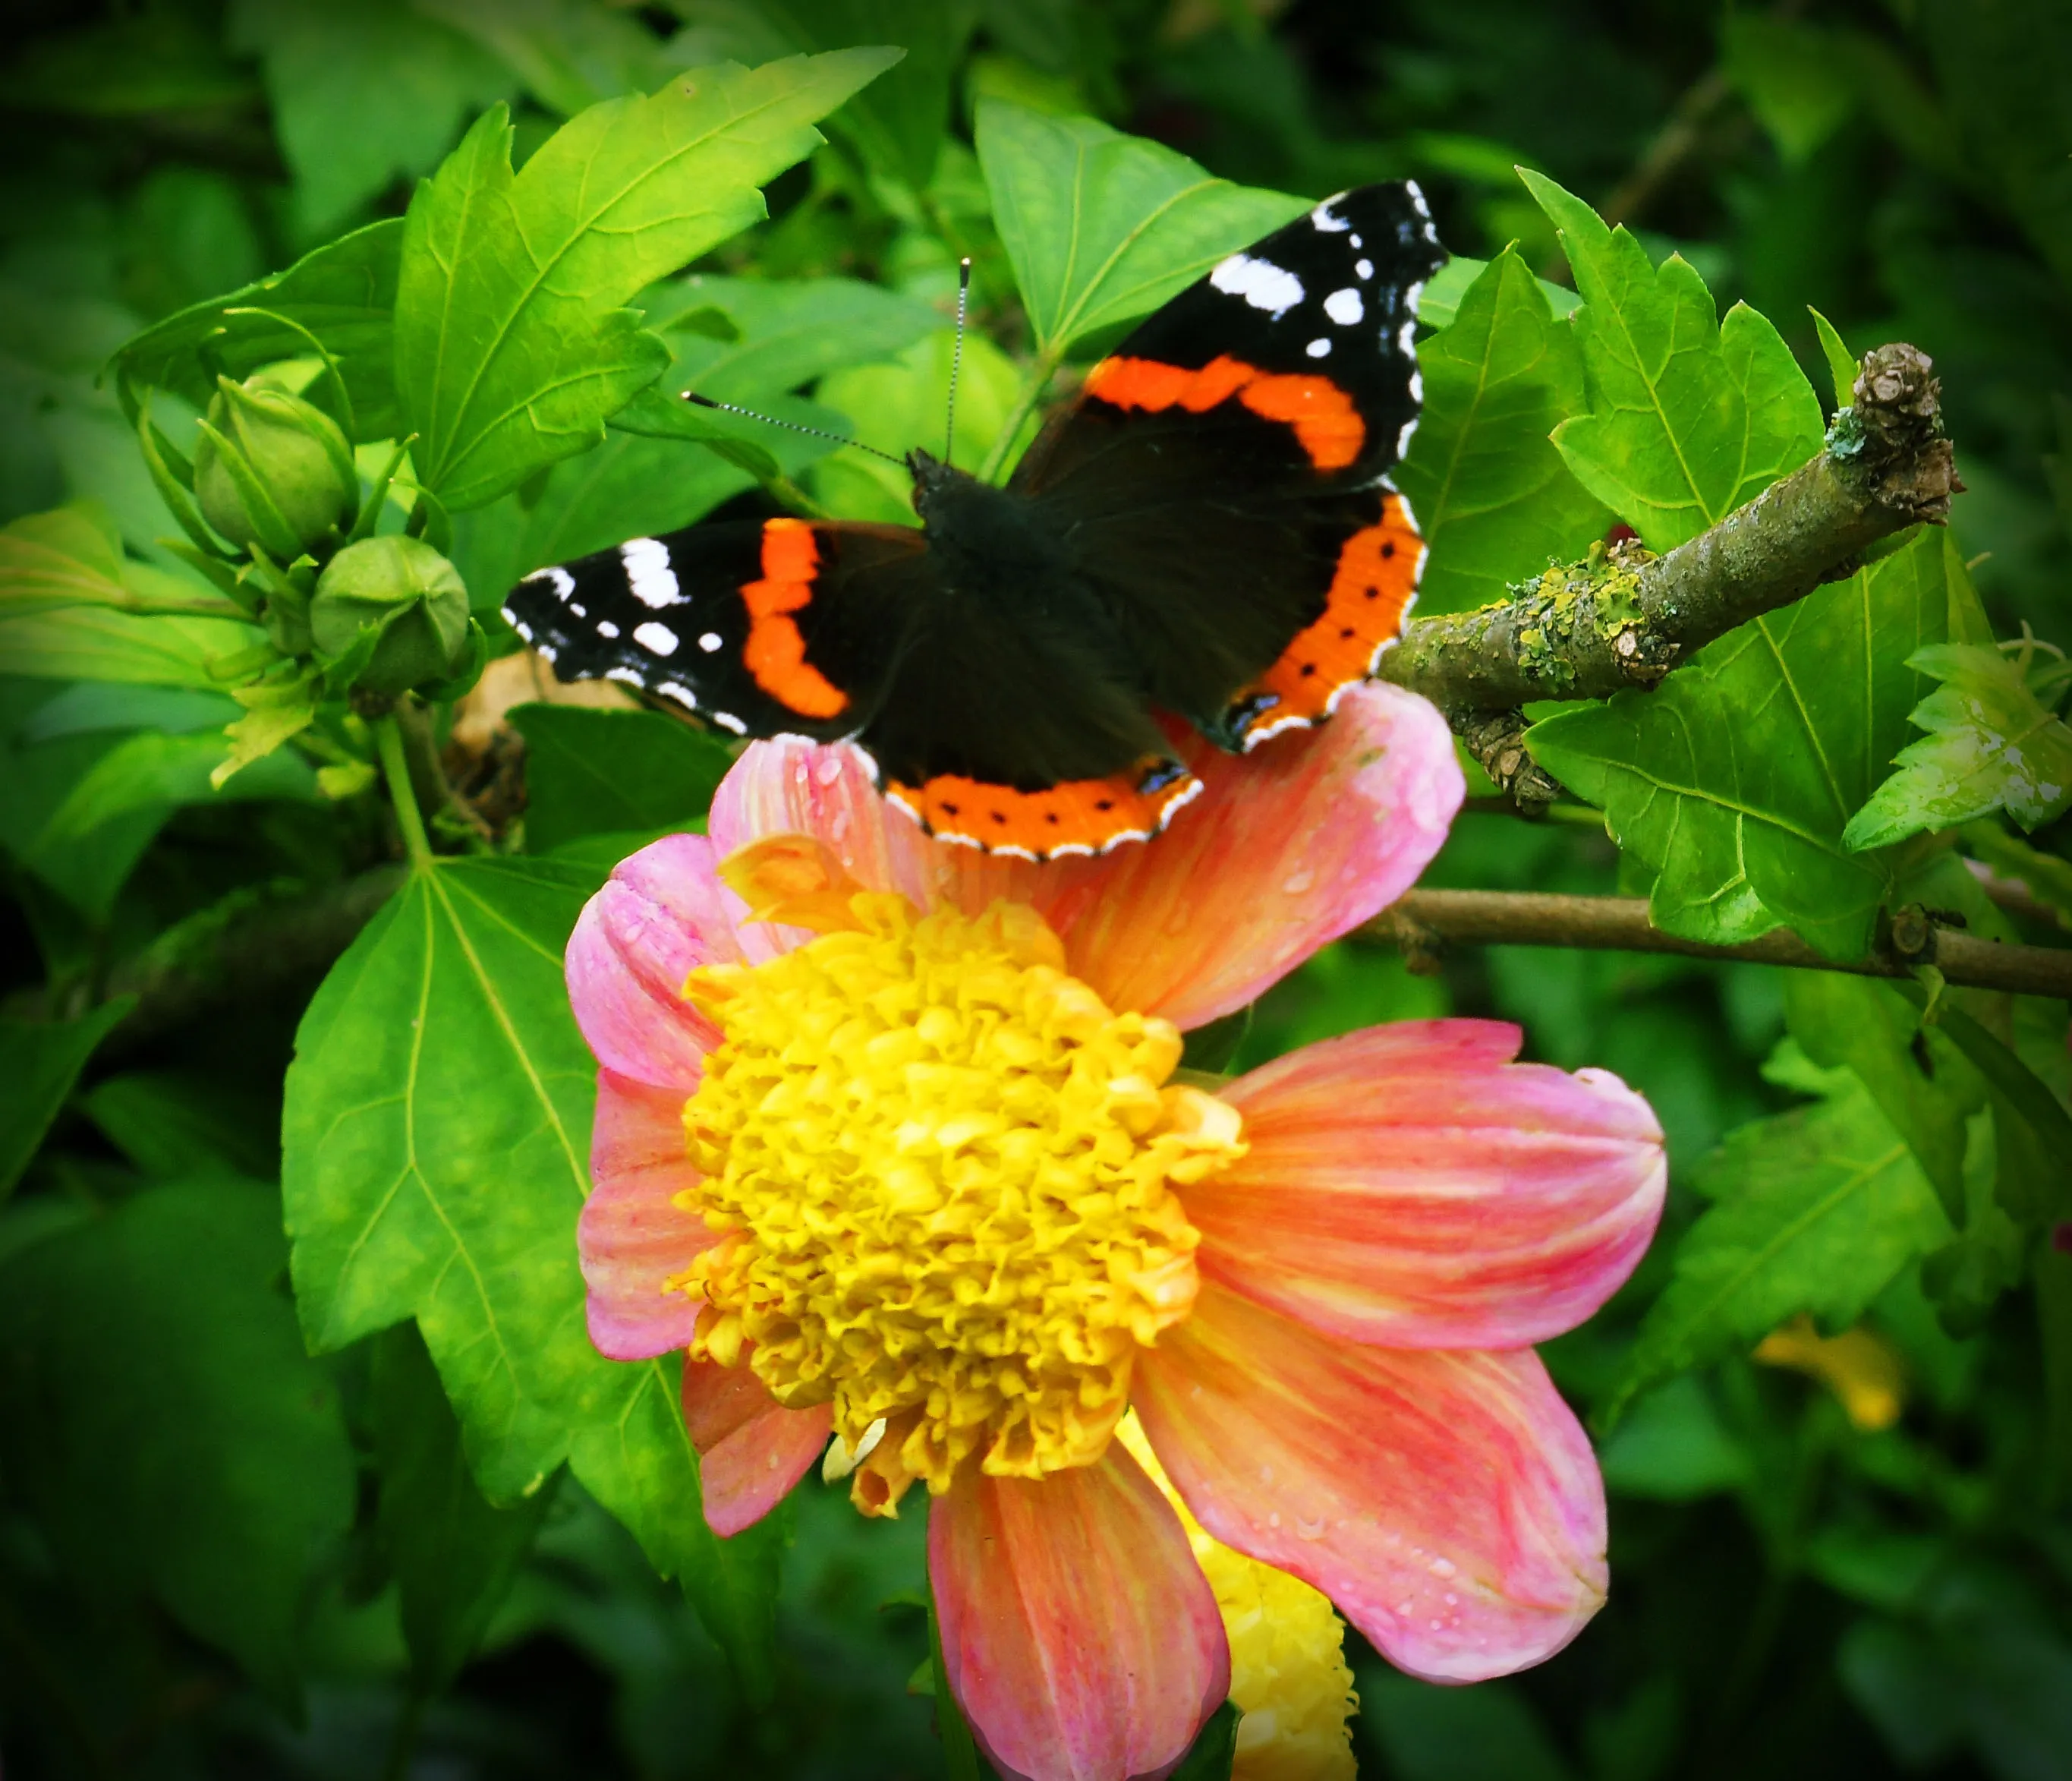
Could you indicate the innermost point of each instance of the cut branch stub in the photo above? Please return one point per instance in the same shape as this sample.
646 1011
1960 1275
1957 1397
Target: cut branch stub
1623 618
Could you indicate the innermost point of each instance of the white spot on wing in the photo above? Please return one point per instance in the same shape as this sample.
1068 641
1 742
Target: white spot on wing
710 641
1363 269
624 674
1318 349
1406 336
657 636
1345 306
647 561
563 583
727 720
1327 222
606 628
683 695
1259 282
1403 438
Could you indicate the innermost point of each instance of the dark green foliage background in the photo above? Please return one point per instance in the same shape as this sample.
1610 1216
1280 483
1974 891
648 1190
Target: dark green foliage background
223 1555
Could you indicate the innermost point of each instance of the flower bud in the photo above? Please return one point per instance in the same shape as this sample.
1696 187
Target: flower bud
408 596
272 470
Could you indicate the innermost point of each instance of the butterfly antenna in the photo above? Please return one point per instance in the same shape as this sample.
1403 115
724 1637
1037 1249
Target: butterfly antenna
957 354
694 397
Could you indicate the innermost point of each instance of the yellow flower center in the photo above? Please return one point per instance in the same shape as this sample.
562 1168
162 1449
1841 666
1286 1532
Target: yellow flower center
943 1168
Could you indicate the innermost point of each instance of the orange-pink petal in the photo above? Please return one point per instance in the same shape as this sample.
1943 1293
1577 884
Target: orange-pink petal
751 1450
1079 1635
1447 1501
662 912
1286 849
1410 1185
632 1236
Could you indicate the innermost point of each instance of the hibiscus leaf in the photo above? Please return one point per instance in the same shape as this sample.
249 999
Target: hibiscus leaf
435 1141
1814 1211
598 772
343 293
1992 744
512 346
453 1553
157 1333
39 1062
1733 781
1492 496
359 97
1102 227
1689 417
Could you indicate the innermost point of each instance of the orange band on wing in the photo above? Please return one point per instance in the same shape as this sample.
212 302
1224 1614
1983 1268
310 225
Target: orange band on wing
775 652
1327 427
1080 816
1369 596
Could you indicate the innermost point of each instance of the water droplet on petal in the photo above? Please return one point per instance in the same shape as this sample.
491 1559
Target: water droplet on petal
1297 884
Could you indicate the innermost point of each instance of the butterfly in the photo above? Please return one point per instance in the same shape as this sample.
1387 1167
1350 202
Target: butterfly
1206 532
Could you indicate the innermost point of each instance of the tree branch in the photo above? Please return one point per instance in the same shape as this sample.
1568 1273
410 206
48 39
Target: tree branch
1625 617
1420 922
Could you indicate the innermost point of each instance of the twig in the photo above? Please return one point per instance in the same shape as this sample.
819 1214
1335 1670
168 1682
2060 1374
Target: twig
1625 618
1620 924
1674 144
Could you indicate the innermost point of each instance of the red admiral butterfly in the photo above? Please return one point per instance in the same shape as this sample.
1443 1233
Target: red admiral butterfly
1208 530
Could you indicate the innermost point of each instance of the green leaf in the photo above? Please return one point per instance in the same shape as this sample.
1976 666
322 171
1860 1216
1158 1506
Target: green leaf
786 332
1689 417
1841 362
160 1414
539 263
1102 227
1798 78
893 406
453 1554
39 1062
276 708
897 123
593 772
1919 1079
434 1139
569 53
153 770
1732 780
361 96
1992 744
1439 301
1214 1748
343 293
1814 1211
175 1123
1492 496
2048 879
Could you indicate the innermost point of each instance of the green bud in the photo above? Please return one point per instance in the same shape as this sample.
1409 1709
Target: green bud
405 592
272 470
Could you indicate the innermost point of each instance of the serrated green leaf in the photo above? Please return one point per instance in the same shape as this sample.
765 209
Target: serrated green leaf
39 1062
896 124
1492 496
435 1143
163 1419
274 711
1841 362
594 772
1814 1211
1689 417
511 344
1921 1081
1733 781
1439 301
452 1552
1991 745
1102 227
343 293
361 97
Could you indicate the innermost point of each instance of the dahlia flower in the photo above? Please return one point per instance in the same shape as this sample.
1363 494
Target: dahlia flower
890 1140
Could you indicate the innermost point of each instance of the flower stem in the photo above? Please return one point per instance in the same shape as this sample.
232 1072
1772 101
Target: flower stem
396 770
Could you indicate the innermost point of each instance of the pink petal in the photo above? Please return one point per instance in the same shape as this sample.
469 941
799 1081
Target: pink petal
1286 849
631 1236
1079 1635
751 1450
1409 1185
1447 1502
662 912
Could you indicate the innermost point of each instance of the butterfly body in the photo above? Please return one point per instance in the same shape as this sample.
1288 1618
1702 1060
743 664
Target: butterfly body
1205 535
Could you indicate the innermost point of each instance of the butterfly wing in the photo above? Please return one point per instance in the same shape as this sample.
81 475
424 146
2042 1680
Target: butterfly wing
1222 475
761 628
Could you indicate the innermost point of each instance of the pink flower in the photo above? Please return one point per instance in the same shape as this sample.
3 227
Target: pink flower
906 1168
